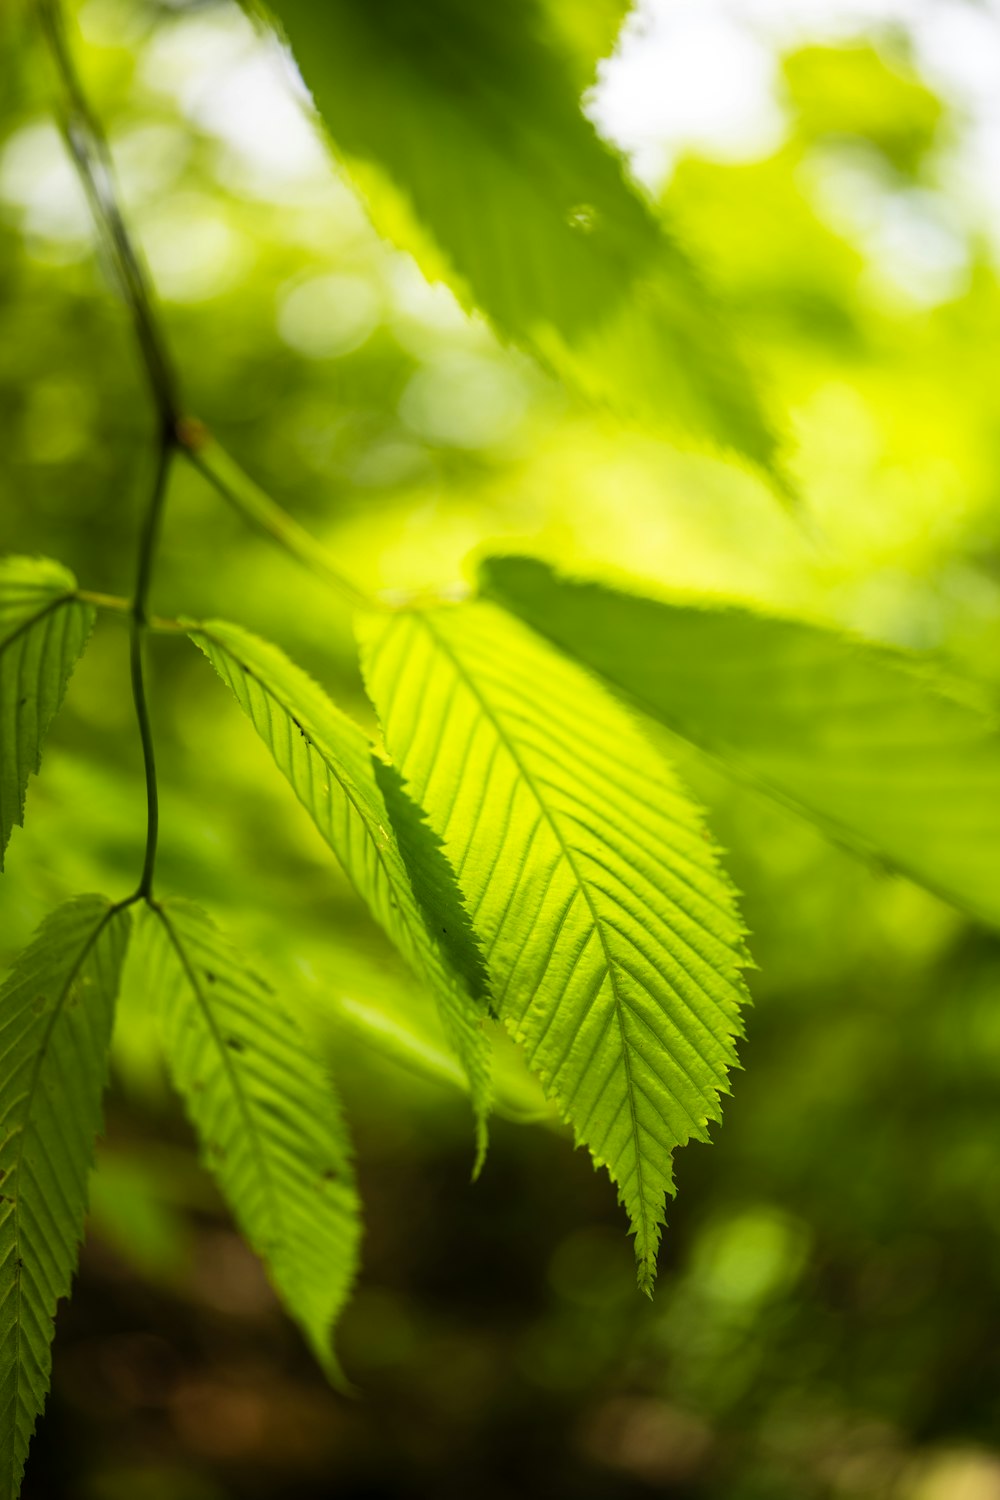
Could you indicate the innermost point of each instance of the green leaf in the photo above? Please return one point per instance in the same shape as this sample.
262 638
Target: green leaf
267 1118
586 33
56 1012
864 740
612 938
500 184
852 93
43 630
385 846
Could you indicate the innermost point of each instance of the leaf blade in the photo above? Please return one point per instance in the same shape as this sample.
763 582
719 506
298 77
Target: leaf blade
502 186
43 630
381 841
56 1013
268 1120
615 963
860 738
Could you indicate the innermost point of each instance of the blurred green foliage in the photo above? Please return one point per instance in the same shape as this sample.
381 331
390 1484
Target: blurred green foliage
486 168
825 1320
855 95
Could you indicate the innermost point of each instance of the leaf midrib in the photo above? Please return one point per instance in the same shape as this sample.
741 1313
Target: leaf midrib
490 713
26 625
267 1182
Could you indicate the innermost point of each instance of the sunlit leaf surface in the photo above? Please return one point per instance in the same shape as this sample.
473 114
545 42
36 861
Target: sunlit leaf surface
863 739
613 940
384 845
56 1011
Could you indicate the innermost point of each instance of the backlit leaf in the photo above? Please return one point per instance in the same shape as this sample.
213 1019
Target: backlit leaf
498 181
865 740
43 630
56 1013
612 938
385 846
267 1118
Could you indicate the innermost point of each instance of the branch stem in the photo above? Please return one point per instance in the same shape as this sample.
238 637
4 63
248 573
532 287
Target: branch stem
138 628
88 146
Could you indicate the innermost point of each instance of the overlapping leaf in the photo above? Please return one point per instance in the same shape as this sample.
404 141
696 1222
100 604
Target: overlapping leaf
613 941
586 33
380 838
268 1120
473 112
863 739
56 1012
43 630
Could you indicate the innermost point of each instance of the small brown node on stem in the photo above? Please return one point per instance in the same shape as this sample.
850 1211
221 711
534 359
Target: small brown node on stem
191 433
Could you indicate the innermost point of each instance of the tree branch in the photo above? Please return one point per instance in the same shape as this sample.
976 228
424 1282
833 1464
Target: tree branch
88 146
138 626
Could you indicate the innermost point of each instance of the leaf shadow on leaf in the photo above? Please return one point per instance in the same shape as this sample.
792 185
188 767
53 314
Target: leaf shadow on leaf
435 886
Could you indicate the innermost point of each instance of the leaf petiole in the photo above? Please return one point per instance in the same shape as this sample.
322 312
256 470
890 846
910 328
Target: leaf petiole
255 505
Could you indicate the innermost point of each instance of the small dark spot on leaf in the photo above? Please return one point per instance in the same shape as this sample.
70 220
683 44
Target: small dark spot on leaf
209 976
236 1044
21 702
330 1175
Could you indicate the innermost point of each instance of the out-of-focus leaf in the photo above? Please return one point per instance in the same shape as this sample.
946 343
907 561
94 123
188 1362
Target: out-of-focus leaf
473 112
863 739
398 1036
853 93
130 1212
587 32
